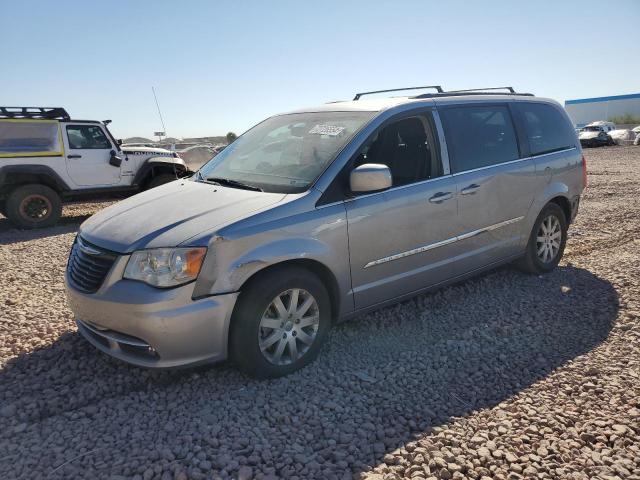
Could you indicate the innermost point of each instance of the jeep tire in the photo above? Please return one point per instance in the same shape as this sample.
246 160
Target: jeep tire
33 206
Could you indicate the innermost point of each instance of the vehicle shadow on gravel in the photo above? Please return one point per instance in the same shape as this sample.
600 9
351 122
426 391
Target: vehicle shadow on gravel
10 234
381 380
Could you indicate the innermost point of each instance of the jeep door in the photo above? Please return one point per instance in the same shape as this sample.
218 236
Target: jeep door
88 151
495 181
400 239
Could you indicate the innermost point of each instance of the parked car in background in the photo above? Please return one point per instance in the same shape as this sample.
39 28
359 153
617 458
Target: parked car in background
195 156
605 126
317 215
47 158
594 136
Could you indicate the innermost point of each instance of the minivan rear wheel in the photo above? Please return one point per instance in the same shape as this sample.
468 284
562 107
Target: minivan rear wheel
546 242
280 323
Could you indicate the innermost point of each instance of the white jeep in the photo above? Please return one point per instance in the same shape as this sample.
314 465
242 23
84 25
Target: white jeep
47 158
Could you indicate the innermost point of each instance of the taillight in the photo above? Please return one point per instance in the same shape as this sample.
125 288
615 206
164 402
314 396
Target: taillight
584 172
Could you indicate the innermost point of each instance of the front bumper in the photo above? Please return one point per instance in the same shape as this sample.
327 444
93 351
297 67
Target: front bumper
150 327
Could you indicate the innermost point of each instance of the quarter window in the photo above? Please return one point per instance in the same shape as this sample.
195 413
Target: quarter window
479 136
87 137
547 129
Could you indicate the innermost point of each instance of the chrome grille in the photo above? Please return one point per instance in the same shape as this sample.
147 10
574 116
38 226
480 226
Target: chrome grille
88 265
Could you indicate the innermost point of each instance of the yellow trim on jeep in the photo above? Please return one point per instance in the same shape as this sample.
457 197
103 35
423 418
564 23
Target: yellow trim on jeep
47 153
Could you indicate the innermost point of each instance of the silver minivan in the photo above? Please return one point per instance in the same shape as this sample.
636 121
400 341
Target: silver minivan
316 215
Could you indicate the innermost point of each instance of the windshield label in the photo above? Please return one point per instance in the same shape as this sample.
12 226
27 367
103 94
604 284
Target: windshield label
330 130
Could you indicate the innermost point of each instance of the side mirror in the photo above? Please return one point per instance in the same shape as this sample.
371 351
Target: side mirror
119 142
370 177
114 159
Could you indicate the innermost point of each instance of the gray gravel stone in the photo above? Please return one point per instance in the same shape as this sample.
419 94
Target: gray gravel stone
503 376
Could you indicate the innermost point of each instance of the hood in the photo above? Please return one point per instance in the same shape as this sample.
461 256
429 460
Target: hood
146 150
587 135
168 215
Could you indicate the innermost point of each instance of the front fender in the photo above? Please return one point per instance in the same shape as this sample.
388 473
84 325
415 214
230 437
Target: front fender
230 275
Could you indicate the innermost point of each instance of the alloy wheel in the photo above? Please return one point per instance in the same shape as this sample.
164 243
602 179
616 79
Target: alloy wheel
288 326
548 239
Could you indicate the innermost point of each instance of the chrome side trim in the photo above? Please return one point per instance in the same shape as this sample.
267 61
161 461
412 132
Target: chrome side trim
442 243
489 228
411 252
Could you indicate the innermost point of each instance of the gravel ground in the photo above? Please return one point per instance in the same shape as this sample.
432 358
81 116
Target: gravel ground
505 376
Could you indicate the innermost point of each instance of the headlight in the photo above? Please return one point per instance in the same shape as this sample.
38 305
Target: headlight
165 267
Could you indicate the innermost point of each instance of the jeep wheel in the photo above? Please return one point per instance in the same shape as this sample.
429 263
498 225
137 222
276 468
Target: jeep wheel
33 206
160 179
280 323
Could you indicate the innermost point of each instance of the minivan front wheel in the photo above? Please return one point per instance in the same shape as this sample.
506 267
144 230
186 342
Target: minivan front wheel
280 322
547 241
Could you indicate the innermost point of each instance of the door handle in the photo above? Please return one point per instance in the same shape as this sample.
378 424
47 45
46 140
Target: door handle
441 197
74 156
470 190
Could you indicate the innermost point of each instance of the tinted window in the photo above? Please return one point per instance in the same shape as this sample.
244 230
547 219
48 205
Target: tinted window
547 129
408 148
479 136
87 137
29 137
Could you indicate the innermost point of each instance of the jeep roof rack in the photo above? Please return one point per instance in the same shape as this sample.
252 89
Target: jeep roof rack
49 113
438 88
474 91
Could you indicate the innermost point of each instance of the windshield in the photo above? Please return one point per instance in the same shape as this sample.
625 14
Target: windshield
592 129
286 153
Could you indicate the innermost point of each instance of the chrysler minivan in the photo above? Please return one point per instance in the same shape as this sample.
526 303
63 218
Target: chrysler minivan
316 215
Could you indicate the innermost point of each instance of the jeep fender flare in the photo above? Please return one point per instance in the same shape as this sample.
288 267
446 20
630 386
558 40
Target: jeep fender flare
11 175
155 165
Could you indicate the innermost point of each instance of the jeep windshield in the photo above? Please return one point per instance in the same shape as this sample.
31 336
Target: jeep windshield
285 153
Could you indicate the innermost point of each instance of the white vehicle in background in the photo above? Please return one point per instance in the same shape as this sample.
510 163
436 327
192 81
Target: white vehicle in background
604 126
47 158
596 134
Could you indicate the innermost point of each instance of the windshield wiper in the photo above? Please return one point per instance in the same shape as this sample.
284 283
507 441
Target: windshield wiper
233 183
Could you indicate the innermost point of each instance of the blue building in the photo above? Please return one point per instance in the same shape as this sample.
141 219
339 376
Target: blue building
587 110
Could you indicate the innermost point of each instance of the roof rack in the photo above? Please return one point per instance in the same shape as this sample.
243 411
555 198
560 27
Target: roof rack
438 88
475 91
50 113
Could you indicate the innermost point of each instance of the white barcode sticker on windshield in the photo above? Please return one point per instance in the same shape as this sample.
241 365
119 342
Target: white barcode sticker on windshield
331 130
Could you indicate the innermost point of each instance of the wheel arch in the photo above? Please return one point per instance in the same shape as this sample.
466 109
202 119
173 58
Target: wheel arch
315 267
564 203
157 166
12 176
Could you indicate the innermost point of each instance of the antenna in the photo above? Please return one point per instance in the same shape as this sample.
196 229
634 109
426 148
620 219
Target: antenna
164 130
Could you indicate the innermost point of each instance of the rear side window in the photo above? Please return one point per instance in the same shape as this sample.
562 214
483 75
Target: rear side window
87 137
547 129
479 136
29 138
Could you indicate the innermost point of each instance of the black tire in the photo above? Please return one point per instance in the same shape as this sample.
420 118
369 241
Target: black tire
33 206
160 179
532 262
255 301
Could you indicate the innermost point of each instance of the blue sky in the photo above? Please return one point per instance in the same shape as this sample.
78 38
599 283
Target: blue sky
220 66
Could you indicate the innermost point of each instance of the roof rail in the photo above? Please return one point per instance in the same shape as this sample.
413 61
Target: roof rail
438 88
475 91
50 113
511 90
